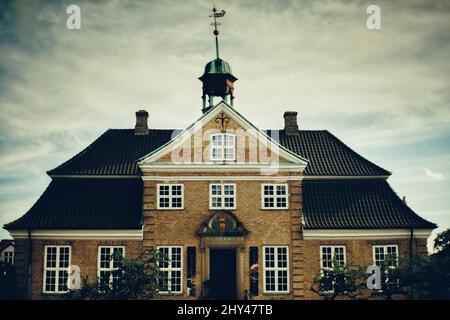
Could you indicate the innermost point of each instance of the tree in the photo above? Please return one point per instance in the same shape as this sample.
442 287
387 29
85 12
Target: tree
133 279
340 280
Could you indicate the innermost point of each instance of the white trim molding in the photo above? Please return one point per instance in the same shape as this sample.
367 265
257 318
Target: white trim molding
132 234
269 179
215 167
349 234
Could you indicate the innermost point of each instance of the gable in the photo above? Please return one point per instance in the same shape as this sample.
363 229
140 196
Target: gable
252 146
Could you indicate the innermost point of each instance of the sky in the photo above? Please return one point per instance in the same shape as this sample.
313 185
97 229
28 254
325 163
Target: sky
383 92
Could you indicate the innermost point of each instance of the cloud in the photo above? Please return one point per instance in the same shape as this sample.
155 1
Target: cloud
436 176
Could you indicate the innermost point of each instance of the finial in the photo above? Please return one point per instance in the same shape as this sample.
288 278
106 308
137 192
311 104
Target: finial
216 15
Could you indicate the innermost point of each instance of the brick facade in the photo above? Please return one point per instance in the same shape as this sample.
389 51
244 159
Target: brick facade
179 228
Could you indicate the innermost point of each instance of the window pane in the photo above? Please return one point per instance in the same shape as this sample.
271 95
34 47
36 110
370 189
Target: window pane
270 280
217 140
268 190
216 189
229 202
176 190
217 202
229 189
51 257
63 257
229 140
175 281
281 190
164 202
50 281
270 257
282 280
62 280
281 202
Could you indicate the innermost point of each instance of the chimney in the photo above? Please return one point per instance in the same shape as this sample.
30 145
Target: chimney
141 127
290 123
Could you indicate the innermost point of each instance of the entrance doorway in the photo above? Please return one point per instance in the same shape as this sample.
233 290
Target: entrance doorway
223 273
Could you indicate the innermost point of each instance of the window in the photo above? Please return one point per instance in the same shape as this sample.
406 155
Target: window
223 147
332 256
276 272
8 257
222 196
170 266
385 256
170 196
107 264
56 269
274 196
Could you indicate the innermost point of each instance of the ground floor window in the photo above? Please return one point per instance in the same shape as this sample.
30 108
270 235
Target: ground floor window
330 258
8 257
276 269
385 256
170 266
107 263
56 269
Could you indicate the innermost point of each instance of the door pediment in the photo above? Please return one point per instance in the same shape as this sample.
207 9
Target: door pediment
222 224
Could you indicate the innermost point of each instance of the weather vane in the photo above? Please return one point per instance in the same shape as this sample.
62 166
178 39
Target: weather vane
216 14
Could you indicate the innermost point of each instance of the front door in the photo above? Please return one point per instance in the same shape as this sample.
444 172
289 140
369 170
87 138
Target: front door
223 273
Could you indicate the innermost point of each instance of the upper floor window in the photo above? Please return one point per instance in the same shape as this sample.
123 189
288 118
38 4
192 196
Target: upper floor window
222 196
274 196
171 269
276 269
170 196
223 147
56 269
332 256
385 256
107 263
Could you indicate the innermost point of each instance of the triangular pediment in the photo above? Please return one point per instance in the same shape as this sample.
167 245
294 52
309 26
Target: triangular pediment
253 146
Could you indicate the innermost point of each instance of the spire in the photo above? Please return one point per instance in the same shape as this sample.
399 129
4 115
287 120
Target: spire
217 79
216 15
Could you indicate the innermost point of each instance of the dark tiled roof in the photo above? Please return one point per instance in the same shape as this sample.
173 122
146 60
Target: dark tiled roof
358 204
85 204
327 155
116 153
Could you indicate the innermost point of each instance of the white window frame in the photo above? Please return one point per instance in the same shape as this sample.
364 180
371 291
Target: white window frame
111 262
222 147
57 268
333 249
222 196
276 269
169 269
170 196
274 196
385 246
8 256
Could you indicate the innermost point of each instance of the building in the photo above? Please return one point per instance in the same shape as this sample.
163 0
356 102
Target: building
7 251
237 209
